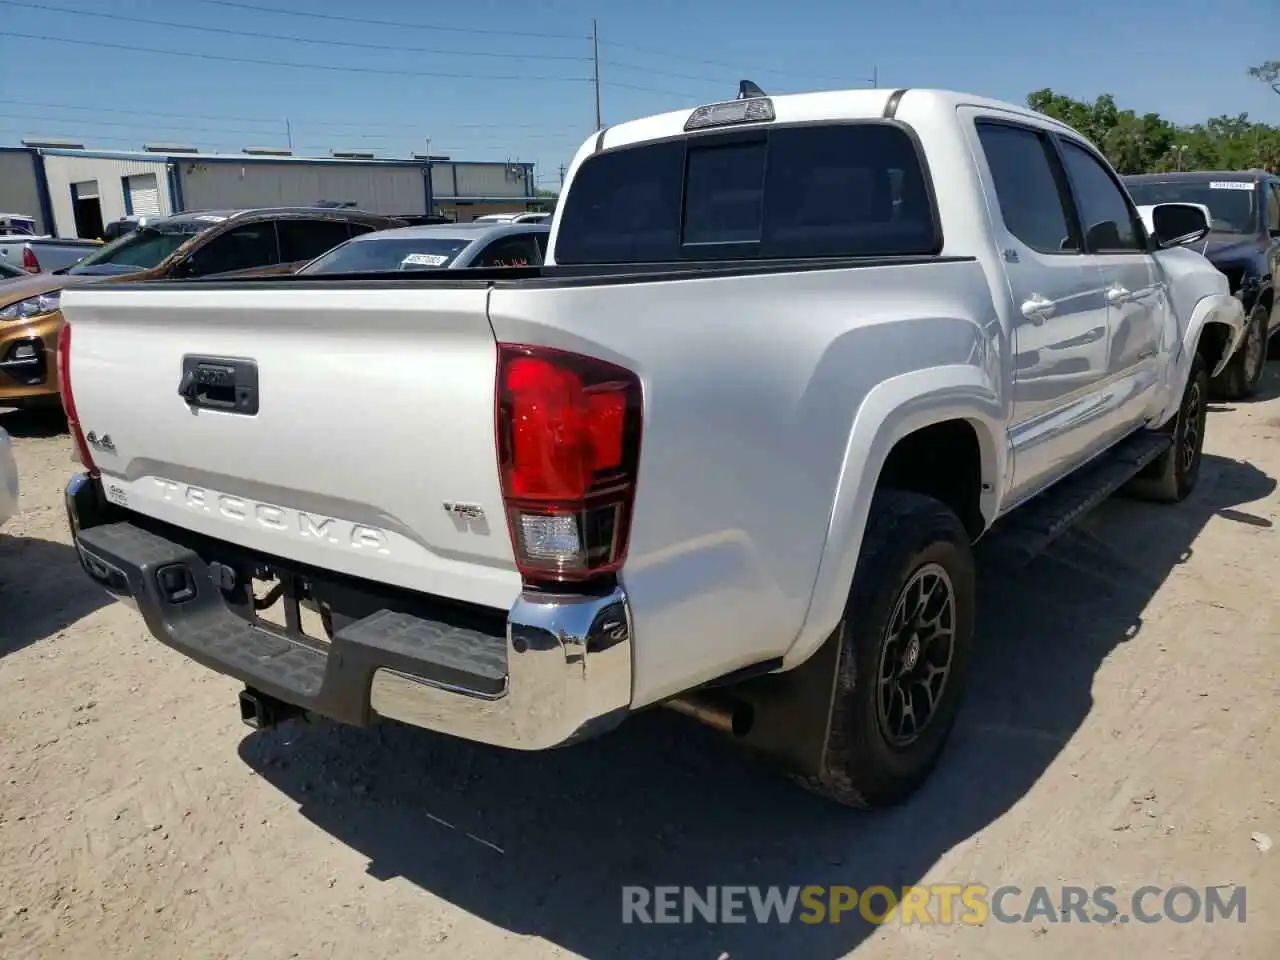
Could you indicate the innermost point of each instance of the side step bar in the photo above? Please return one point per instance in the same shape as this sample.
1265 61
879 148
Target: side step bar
1030 529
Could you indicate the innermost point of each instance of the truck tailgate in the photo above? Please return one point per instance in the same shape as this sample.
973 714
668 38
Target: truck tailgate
375 409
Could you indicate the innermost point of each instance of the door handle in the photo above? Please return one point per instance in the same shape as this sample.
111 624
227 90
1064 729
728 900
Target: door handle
1118 295
1037 309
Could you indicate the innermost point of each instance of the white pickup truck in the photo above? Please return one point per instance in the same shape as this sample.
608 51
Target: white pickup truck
727 451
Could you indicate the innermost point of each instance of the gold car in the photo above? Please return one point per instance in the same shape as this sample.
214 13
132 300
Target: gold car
29 323
244 242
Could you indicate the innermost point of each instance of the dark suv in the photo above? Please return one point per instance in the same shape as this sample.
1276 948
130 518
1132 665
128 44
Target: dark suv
1244 243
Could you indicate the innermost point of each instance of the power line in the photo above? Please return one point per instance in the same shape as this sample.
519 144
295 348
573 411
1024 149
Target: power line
647 89
74 121
130 48
364 21
700 79
116 111
236 4
404 134
635 66
289 39
139 113
721 63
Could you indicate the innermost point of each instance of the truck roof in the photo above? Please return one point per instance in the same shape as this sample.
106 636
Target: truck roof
802 107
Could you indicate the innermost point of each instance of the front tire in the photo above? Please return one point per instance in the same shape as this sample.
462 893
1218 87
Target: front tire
1239 381
1172 476
905 647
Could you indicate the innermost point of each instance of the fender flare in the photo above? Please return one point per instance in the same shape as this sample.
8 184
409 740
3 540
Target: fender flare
1223 308
892 410
1215 308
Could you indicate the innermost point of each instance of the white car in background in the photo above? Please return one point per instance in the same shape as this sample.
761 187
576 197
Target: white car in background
514 218
8 479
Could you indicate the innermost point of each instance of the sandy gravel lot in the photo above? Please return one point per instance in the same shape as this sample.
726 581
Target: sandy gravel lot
1121 729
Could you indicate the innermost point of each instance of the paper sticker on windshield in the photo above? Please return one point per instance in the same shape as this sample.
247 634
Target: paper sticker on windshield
423 260
1230 185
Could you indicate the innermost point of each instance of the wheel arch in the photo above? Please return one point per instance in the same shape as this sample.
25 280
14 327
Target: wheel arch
1215 330
894 428
1267 297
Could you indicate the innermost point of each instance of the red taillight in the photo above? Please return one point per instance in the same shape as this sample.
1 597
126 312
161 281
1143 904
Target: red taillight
68 400
29 261
568 451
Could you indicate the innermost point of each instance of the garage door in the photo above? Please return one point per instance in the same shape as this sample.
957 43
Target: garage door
144 194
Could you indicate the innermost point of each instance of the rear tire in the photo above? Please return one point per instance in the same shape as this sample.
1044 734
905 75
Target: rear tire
1172 476
1239 381
905 646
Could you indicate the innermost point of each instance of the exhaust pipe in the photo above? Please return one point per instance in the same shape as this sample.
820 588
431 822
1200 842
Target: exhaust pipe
262 711
733 717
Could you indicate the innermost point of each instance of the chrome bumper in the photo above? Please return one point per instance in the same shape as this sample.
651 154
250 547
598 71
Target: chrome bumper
568 677
568 658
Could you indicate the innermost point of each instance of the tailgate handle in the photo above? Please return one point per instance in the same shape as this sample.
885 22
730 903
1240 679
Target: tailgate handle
220 383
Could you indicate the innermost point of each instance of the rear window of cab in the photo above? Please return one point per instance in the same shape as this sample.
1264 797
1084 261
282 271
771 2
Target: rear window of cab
814 190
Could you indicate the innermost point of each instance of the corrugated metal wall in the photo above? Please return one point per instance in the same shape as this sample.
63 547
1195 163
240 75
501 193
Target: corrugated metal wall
372 187
109 174
19 186
477 180
442 180
491 180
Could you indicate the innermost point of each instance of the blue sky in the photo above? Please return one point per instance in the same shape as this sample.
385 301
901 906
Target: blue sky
1183 59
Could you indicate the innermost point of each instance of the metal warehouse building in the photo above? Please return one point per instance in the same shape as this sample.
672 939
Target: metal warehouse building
73 192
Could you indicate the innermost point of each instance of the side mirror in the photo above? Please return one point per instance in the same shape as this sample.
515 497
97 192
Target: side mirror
1175 224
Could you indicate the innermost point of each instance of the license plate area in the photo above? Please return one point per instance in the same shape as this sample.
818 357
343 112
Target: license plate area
284 602
277 599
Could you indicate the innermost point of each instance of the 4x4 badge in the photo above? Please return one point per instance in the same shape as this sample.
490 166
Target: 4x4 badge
103 443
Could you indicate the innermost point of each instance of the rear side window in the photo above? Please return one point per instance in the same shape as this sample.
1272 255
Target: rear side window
1031 204
307 239
806 191
517 251
240 248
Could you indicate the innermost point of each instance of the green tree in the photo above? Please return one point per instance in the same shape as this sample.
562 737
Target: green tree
1150 143
1268 73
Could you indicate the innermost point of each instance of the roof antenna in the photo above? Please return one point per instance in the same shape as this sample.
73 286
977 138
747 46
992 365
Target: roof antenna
747 89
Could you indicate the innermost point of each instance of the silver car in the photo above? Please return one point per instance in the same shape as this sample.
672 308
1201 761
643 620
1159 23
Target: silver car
437 246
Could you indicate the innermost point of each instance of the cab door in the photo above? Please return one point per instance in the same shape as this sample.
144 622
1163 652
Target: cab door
1058 303
1137 298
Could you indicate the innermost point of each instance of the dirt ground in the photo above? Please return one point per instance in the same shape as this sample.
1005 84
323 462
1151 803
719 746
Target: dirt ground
1120 729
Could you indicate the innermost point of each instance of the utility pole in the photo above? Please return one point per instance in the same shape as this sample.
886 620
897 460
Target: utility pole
875 76
562 176
430 185
595 59
288 133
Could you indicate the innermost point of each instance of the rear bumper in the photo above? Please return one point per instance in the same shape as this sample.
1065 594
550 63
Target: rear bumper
561 671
